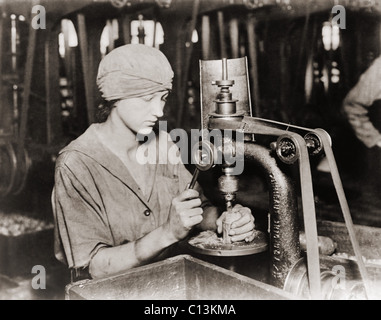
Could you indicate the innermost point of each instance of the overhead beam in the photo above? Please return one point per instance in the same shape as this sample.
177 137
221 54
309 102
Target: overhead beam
269 9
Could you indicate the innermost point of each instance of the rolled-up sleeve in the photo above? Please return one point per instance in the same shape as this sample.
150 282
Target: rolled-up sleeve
82 227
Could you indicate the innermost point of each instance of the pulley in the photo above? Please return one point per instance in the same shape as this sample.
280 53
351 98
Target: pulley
336 285
14 168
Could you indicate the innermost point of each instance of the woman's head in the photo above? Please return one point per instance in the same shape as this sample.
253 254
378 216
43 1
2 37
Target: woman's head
132 71
134 80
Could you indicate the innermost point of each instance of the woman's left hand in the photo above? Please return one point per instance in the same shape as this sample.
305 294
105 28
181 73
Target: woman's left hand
242 228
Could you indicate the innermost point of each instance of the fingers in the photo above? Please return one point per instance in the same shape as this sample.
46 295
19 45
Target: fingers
246 216
219 223
190 218
194 203
185 204
242 230
186 209
195 212
192 221
247 236
243 220
188 194
243 227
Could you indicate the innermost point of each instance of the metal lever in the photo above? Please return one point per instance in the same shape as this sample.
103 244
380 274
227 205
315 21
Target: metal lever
194 179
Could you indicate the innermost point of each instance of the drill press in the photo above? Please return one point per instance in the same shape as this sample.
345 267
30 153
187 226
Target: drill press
270 144
225 109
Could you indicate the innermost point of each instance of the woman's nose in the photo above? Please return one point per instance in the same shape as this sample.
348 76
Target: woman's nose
157 108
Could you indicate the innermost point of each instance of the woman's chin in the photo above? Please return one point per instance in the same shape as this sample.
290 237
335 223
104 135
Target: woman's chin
145 131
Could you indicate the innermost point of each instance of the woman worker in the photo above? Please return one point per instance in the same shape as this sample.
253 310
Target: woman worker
111 212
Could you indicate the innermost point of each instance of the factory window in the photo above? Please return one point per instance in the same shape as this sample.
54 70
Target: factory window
109 35
14 34
67 37
194 36
331 42
148 32
68 51
331 36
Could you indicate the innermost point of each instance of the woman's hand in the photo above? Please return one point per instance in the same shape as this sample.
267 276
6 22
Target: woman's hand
185 213
242 228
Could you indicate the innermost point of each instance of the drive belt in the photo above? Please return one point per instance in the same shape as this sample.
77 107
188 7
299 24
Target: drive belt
301 155
326 142
344 207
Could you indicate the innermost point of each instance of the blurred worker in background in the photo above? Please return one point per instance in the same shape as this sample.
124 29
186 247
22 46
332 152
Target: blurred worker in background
113 213
359 102
362 108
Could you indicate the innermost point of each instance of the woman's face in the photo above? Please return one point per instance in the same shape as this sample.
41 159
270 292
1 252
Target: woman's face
141 114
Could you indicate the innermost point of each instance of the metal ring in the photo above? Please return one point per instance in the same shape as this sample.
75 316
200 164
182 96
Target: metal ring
287 149
23 170
203 155
296 279
13 161
318 144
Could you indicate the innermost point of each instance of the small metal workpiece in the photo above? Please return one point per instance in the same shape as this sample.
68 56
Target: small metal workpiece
229 218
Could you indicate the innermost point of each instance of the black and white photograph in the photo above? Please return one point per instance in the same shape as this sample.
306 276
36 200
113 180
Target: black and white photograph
190 154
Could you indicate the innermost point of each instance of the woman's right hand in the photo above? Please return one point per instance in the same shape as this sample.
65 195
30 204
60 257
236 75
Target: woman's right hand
185 213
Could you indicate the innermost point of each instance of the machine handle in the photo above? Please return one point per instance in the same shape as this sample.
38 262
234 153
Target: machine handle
194 179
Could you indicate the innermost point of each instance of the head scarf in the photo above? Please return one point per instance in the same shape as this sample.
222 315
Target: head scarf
132 71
